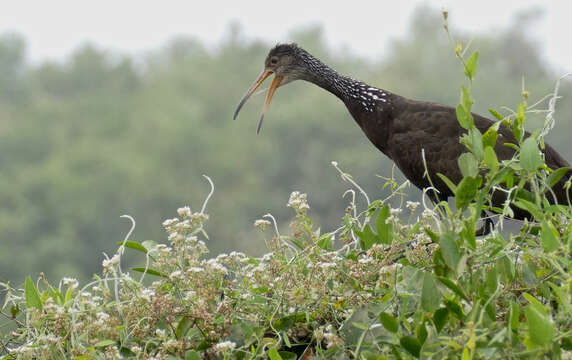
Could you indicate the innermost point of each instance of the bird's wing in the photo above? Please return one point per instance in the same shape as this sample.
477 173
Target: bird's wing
434 133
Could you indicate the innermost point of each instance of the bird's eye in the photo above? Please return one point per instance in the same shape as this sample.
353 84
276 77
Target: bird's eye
274 61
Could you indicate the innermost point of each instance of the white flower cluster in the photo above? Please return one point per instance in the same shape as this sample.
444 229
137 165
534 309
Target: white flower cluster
412 205
225 346
184 212
395 211
163 250
147 294
199 217
262 224
102 318
214 265
170 222
427 214
109 264
27 351
177 274
390 268
366 260
161 334
70 282
298 201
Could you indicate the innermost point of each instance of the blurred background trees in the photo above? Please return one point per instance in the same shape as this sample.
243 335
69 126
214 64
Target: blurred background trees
102 134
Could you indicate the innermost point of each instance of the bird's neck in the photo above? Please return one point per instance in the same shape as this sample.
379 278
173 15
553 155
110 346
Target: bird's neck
358 96
370 107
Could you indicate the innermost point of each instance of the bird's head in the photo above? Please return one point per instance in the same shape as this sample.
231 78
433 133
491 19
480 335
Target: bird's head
286 62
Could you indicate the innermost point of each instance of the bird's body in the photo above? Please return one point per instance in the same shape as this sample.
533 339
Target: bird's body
401 128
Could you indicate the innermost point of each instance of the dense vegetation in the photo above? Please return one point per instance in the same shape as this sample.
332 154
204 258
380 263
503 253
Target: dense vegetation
375 288
397 278
103 134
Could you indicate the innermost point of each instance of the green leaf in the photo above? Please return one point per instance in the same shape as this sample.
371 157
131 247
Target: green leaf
530 158
68 296
286 339
530 207
149 271
453 286
133 245
549 237
456 309
514 316
468 164
466 100
464 117
562 297
506 268
496 114
298 243
466 355
389 322
32 296
535 303
360 325
518 124
14 311
368 355
325 242
511 146
471 65
490 158
287 355
421 332
273 354
183 327
396 354
205 344
192 355
450 250
430 297
566 343
492 281
556 175
289 321
366 237
448 182
540 326
466 192
433 235
411 344
490 137
440 318
384 231
474 141
105 343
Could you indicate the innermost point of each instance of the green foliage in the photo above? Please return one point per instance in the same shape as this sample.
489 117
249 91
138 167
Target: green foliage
101 134
530 157
32 296
423 289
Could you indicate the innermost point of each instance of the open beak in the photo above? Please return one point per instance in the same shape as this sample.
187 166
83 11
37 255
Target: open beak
275 83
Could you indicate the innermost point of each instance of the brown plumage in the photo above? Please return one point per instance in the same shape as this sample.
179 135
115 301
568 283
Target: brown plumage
399 127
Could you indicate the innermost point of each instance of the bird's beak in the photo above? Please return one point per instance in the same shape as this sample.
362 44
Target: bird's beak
275 83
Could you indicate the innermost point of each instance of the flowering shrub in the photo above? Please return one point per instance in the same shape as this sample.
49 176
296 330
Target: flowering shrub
398 291
302 294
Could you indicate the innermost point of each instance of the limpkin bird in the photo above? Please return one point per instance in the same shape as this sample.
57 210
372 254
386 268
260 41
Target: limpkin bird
399 127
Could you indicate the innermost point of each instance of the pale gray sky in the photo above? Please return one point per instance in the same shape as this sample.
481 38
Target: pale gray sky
54 28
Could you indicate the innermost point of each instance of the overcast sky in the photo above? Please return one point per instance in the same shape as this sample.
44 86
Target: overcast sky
53 28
